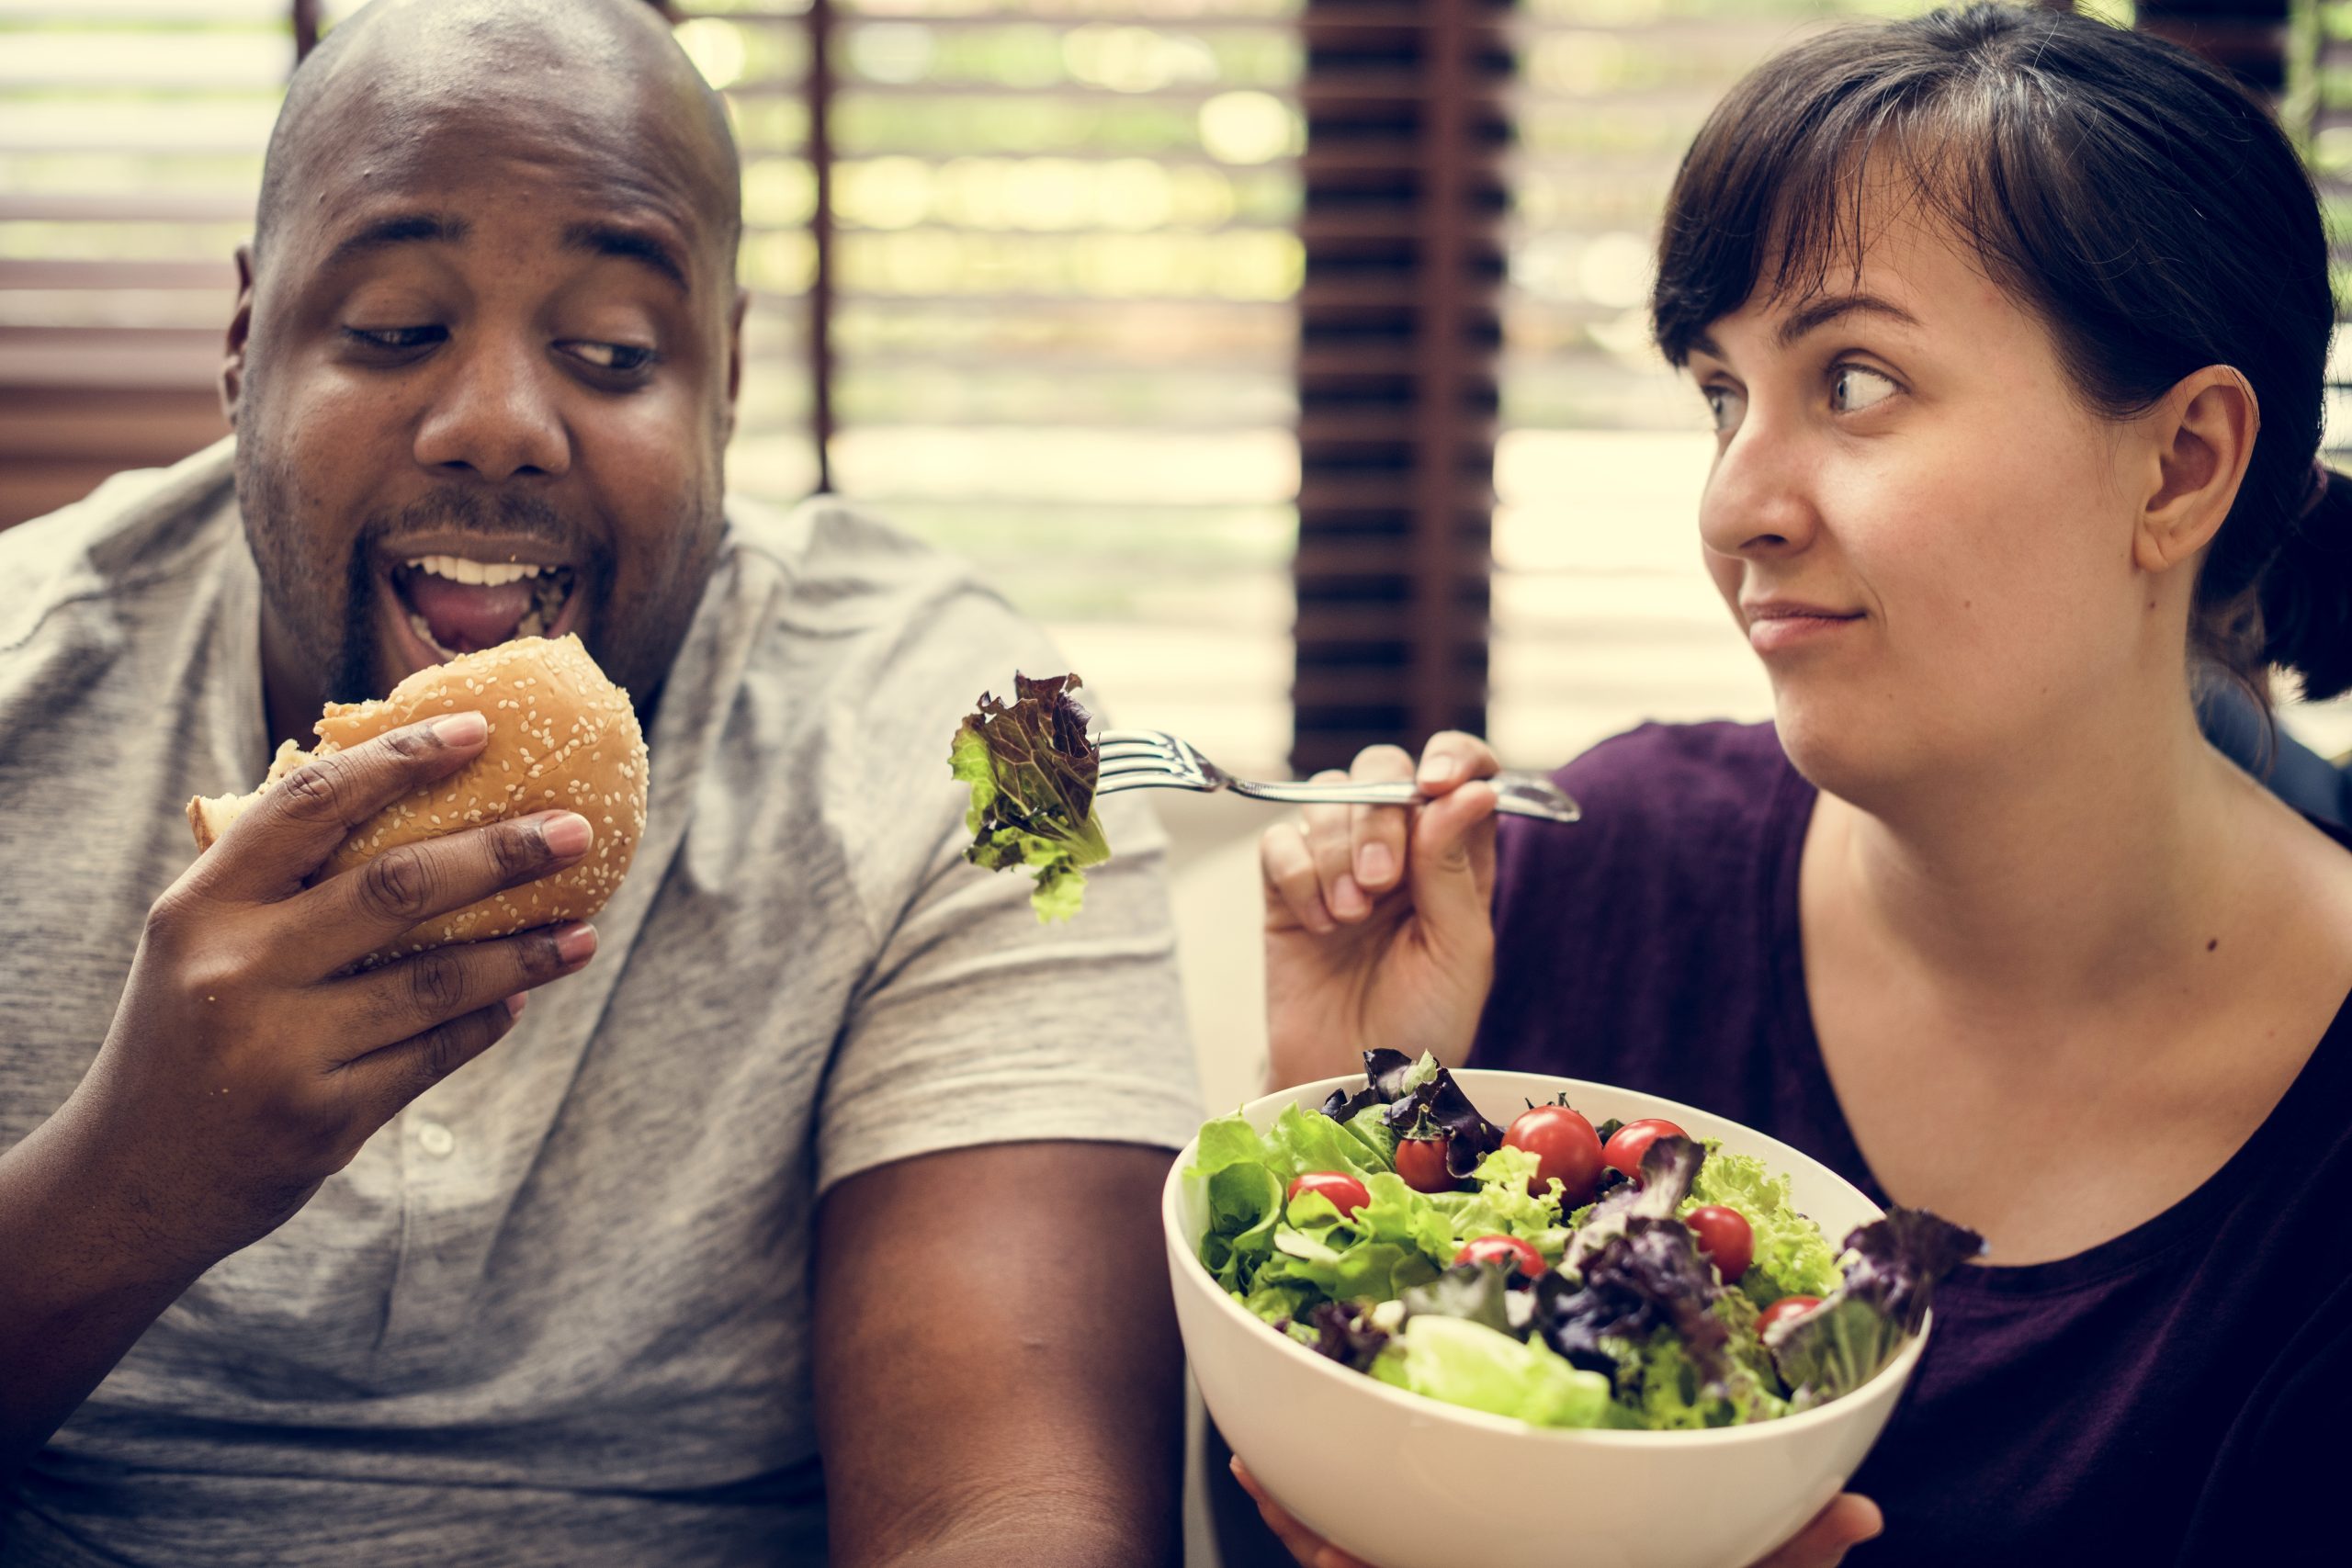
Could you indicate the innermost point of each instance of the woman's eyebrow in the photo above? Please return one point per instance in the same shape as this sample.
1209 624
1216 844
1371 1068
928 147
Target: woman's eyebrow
1817 313
1814 315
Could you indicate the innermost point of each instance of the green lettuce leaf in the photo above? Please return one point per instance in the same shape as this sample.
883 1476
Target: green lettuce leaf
1245 1205
1670 1392
1792 1258
1032 768
1478 1291
1301 1140
1467 1364
1333 1254
1244 1199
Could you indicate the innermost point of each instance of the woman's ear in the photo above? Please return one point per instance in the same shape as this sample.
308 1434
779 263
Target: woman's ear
2202 436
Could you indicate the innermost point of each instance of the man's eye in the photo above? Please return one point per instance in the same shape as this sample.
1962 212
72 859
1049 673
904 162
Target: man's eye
396 339
615 357
1855 387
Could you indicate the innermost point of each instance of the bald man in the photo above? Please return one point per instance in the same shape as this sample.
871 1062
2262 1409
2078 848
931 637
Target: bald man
807 1215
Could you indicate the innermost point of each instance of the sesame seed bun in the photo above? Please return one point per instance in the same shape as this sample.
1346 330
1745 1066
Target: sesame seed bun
561 738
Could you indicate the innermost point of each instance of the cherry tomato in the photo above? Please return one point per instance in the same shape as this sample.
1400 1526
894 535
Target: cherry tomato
1421 1162
1783 1310
1725 1237
1633 1140
1566 1144
1507 1250
1346 1193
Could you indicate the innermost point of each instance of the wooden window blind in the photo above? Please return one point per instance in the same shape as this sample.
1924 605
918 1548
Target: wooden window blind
130 138
1022 276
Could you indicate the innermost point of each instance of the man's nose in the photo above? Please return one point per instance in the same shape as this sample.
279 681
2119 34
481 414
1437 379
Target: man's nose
1759 500
494 414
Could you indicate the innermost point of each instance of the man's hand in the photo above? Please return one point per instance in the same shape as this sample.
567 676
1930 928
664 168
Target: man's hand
998 1379
245 1067
1846 1523
1378 926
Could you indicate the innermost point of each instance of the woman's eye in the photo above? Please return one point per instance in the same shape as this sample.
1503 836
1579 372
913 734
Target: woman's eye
1725 405
619 357
396 339
1855 387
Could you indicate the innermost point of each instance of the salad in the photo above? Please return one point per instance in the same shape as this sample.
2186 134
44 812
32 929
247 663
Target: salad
1032 768
1568 1275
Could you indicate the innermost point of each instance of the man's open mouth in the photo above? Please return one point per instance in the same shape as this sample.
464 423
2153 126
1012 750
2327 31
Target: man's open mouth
458 604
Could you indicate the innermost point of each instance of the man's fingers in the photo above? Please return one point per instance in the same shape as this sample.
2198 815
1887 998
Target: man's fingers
410 997
1849 1521
385 1081
1294 892
349 915
1453 758
1377 833
288 834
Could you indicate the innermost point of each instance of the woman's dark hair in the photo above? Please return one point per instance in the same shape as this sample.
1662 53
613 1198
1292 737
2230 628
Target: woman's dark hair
2131 196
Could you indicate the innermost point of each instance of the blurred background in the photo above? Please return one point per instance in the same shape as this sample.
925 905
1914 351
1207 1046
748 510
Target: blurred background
1285 357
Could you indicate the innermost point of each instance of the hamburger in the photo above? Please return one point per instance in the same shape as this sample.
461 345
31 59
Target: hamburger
561 738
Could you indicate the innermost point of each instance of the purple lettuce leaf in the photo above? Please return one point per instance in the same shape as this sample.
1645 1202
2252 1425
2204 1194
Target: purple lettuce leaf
1032 771
1344 1333
1646 1276
1383 1073
1892 1268
1437 1108
1669 1166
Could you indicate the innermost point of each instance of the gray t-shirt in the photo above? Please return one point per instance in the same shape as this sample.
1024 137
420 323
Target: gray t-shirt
557 1312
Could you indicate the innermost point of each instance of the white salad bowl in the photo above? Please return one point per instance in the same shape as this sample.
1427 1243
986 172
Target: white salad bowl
1403 1481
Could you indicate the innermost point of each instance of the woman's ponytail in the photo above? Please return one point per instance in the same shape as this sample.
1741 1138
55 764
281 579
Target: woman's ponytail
2306 591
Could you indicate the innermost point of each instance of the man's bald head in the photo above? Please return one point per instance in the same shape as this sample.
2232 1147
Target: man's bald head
599 71
490 313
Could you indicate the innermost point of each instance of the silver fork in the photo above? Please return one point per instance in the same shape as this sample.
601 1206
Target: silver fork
1153 759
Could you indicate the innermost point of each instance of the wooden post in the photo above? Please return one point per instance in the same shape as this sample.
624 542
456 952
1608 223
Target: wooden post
820 234
1399 340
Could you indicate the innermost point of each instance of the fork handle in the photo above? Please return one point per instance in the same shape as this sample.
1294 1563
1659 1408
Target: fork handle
1516 794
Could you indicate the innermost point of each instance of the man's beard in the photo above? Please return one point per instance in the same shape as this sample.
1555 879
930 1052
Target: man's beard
633 641
351 674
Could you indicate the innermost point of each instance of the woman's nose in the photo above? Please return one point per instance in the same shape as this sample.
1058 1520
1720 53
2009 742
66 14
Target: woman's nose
495 415
1759 499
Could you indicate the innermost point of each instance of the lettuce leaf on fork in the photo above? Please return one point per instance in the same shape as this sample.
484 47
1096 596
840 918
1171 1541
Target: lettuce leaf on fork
1033 770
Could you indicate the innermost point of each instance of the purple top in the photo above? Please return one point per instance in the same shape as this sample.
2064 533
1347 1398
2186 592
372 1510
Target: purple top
2175 1395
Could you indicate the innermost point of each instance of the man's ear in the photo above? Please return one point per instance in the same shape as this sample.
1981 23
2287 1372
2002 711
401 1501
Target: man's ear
241 326
735 355
2202 435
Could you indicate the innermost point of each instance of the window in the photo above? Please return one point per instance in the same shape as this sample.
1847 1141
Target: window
1059 283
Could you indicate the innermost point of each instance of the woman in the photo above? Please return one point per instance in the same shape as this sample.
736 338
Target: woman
2012 325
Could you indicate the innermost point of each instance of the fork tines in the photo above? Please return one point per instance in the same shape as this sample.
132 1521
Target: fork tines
1137 758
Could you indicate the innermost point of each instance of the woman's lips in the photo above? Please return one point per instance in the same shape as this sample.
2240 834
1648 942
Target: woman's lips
1772 628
